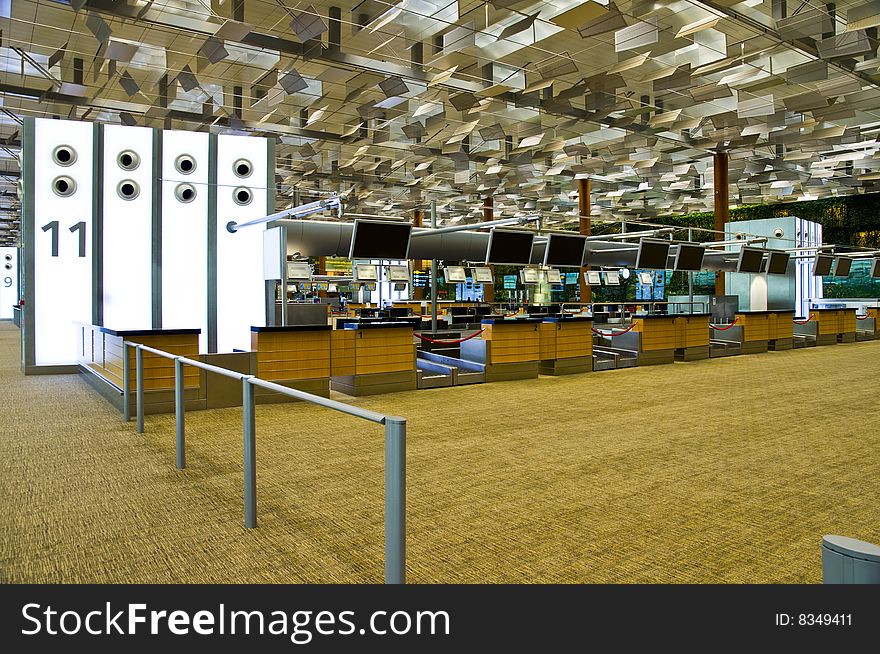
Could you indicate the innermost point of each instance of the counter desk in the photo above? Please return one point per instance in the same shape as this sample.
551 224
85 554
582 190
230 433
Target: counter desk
566 345
101 356
510 348
368 358
295 356
830 326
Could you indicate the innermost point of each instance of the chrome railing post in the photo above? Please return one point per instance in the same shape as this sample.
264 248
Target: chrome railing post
395 500
126 382
180 419
139 391
250 453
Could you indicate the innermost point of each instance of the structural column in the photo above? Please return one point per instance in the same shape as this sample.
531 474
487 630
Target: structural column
722 208
585 230
418 264
488 214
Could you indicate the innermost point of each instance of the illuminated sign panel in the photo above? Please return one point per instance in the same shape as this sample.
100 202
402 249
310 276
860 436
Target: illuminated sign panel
127 226
241 196
185 232
62 238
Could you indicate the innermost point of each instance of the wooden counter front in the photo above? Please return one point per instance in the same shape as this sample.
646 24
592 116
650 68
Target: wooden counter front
566 345
371 358
512 341
292 353
658 332
755 325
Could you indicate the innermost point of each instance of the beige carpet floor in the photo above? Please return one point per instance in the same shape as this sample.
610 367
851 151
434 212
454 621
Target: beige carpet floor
728 470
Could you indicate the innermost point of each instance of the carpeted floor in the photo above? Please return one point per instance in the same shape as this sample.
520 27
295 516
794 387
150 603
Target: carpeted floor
728 470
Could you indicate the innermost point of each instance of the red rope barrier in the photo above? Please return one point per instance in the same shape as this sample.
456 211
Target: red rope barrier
612 334
724 329
862 317
798 322
455 342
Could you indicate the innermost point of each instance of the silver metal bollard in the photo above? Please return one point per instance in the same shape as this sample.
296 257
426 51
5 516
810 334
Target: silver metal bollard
395 500
250 453
180 422
126 383
139 391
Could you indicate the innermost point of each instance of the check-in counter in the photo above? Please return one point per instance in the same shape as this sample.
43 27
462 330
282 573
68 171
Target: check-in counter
830 326
866 324
296 356
510 348
780 330
368 358
755 331
566 345
101 356
691 336
657 338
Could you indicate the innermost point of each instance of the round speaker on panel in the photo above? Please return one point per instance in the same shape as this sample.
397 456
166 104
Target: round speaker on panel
185 164
242 195
128 189
8 257
64 155
64 186
8 266
128 160
185 192
242 168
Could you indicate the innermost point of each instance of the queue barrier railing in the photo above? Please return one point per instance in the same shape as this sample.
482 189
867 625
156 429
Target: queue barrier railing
395 442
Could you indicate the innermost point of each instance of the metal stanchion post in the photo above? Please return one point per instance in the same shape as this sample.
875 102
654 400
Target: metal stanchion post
250 454
126 383
179 414
395 500
139 391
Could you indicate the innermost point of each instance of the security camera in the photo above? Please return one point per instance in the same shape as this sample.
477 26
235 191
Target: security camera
778 233
740 236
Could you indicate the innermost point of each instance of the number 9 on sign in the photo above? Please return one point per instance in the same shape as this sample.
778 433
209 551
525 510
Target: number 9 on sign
7 282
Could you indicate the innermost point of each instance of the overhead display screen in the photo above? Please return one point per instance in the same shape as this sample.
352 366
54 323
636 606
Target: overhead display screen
750 260
822 265
455 274
653 253
553 276
612 278
778 263
530 276
299 271
844 264
482 275
510 247
689 256
398 273
593 278
364 272
376 239
564 250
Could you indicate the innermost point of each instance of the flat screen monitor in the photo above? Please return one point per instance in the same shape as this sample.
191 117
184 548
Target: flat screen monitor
875 268
822 265
529 275
689 256
482 275
646 278
571 278
593 278
398 273
564 250
750 260
612 278
300 272
778 263
365 272
455 274
653 253
510 247
553 276
844 264
377 239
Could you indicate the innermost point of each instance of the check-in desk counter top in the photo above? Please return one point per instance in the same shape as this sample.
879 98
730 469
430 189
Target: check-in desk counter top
566 345
101 354
373 357
297 356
